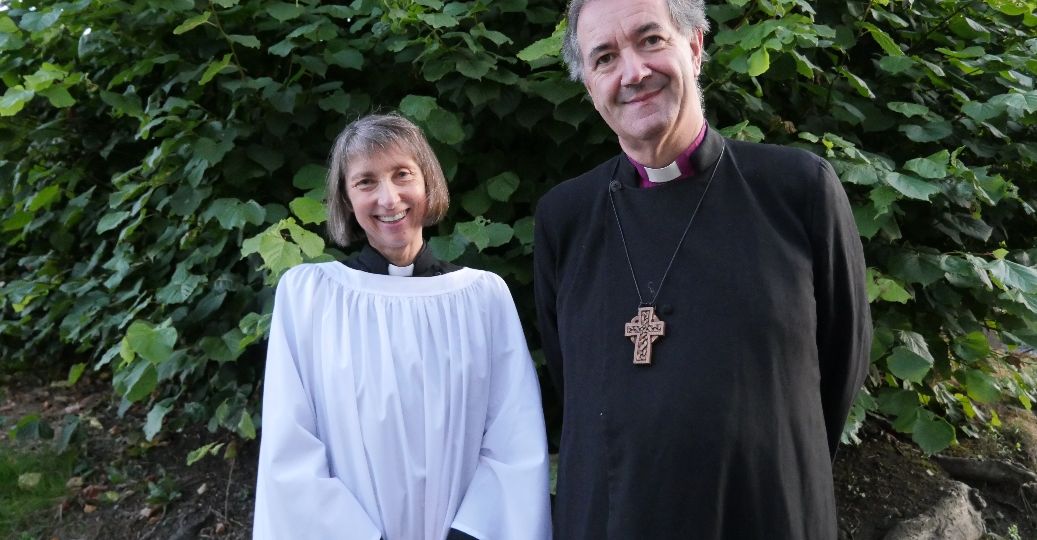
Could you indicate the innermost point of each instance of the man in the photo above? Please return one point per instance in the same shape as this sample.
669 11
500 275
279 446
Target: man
701 305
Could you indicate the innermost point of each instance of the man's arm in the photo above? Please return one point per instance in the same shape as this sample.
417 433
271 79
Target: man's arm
545 289
843 314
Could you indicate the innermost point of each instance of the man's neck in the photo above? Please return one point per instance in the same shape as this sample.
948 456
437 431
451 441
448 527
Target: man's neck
662 152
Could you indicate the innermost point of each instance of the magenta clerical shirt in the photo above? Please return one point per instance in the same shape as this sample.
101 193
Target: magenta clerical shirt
683 161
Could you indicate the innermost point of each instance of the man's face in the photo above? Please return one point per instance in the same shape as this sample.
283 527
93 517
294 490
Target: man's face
639 70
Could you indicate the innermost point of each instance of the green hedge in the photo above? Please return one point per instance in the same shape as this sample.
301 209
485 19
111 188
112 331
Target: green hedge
161 164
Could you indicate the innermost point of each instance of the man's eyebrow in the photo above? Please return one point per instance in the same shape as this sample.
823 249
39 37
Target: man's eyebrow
641 30
648 27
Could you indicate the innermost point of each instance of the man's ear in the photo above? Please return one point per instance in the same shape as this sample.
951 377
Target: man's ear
696 41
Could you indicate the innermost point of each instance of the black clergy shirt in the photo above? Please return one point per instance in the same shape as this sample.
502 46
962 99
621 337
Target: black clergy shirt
731 432
368 259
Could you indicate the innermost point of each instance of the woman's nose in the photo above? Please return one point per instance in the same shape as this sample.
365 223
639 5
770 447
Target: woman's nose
388 195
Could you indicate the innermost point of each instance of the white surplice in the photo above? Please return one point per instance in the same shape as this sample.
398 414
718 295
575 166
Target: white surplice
398 408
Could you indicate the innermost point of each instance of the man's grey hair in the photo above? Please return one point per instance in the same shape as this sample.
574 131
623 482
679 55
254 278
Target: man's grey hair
368 136
687 15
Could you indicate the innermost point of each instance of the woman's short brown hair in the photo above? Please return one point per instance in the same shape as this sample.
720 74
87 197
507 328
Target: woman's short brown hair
378 133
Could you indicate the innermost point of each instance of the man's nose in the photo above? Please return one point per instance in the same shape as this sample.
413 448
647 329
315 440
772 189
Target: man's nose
634 69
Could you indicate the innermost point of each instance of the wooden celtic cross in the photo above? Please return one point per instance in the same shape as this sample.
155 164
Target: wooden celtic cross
643 330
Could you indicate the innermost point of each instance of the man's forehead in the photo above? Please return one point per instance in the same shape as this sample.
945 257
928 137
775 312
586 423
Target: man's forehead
604 21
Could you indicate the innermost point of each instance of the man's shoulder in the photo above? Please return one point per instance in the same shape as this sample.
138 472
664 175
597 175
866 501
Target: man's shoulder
774 157
576 189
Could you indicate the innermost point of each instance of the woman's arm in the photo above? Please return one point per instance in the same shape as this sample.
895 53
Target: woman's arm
296 496
508 496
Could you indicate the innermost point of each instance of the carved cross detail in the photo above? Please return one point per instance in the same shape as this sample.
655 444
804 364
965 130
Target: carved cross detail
643 330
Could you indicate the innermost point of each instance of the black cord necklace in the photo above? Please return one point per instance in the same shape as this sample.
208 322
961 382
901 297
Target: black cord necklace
646 327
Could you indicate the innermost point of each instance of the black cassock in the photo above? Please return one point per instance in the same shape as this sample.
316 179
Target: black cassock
731 431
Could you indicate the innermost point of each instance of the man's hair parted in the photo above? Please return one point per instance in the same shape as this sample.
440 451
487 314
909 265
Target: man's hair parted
687 16
369 135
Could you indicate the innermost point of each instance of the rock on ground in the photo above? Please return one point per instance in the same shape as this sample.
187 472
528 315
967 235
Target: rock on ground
955 517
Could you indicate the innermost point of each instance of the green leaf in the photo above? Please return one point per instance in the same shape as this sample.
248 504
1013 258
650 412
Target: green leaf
1011 7
214 68
912 187
897 402
932 433
245 426
759 62
193 22
475 232
931 132
908 366
58 97
252 42
438 20
110 221
476 202
445 127
857 83
549 47
447 248
283 11
883 39
502 186
524 230
308 210
418 108
932 167
348 58
908 109
981 387
210 449
75 372
234 213
916 343
44 198
555 90
180 287
156 415
981 112
312 245
474 67
896 64
154 344
278 254
14 99
1014 275
973 347
499 234
37 21
141 382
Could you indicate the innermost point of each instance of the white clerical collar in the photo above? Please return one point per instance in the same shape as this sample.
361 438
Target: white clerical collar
403 271
665 174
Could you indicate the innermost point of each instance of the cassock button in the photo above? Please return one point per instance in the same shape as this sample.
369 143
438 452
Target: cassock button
665 309
615 186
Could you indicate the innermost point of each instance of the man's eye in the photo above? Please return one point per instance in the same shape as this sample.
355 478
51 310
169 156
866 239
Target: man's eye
653 40
603 59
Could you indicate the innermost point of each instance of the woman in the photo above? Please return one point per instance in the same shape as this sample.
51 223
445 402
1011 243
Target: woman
400 401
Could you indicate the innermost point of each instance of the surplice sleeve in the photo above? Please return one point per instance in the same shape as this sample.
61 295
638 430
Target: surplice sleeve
843 314
507 498
296 496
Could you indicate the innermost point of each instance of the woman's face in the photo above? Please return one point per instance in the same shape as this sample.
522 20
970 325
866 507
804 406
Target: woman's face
387 192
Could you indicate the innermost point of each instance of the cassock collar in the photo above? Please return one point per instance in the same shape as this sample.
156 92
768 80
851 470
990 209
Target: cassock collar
425 264
701 160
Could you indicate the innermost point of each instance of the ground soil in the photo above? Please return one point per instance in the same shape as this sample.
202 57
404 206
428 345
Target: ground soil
879 482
